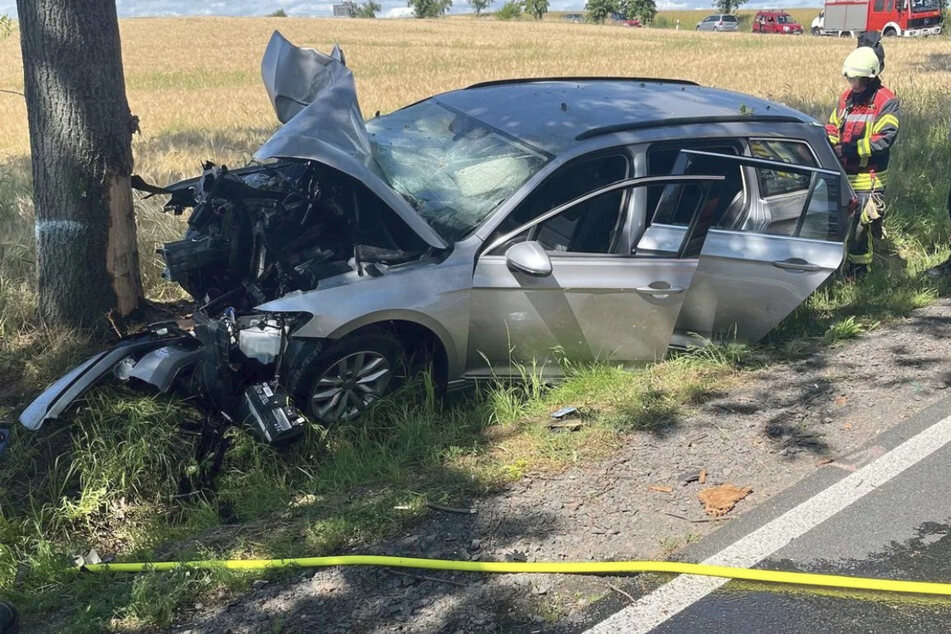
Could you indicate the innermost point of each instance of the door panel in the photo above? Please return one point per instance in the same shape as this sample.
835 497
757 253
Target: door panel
747 282
590 308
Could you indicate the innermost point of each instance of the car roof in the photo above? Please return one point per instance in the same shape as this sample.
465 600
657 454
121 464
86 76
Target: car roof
554 114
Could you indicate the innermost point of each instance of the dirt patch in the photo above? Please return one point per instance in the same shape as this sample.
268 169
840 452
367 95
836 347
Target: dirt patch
785 422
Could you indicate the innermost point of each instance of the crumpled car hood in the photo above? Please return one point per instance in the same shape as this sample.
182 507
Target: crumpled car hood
315 96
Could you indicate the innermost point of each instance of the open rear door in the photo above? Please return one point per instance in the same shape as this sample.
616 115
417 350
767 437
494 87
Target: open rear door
765 255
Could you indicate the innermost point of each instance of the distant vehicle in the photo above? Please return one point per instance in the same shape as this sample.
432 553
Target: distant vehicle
719 22
623 20
773 21
848 18
573 17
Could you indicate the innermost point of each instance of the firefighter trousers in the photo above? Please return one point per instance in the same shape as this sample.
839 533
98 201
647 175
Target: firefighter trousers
868 225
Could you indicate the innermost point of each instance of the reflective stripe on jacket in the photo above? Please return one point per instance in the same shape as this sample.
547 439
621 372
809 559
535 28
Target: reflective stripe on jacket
866 126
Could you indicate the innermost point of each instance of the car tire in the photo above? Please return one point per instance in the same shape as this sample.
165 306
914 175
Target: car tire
336 383
9 620
815 31
890 32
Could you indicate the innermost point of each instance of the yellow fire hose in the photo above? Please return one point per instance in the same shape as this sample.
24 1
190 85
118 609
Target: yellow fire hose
572 567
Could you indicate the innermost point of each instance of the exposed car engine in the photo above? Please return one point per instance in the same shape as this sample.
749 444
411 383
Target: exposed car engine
257 233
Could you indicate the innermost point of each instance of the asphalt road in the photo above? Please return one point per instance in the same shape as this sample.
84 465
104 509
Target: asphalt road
884 511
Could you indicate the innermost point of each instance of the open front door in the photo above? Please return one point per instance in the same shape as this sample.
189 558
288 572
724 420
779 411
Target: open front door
553 288
772 248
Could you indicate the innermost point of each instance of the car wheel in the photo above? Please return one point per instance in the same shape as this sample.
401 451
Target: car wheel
340 381
9 621
815 31
890 32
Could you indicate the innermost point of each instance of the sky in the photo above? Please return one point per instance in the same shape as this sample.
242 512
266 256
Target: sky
391 8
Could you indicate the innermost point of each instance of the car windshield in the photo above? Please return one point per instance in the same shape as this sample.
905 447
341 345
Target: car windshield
783 19
729 18
924 5
453 169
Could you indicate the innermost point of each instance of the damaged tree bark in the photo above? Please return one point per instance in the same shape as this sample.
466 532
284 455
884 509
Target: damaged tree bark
81 145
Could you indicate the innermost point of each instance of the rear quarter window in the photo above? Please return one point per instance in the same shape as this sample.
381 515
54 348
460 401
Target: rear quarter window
774 183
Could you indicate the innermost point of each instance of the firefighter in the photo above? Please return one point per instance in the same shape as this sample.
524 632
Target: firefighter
862 130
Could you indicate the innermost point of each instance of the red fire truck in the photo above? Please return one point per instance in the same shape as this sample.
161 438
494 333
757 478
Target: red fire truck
848 18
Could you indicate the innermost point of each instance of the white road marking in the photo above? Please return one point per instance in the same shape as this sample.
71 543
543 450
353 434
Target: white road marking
683 591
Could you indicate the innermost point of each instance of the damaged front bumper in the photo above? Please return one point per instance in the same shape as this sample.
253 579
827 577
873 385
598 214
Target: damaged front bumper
155 356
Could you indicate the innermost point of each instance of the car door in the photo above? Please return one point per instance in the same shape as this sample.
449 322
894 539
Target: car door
552 289
770 250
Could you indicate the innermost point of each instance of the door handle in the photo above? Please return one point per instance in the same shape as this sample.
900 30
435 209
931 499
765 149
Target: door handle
797 264
658 292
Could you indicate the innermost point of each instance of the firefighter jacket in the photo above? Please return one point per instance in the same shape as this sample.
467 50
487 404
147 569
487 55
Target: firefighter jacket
865 125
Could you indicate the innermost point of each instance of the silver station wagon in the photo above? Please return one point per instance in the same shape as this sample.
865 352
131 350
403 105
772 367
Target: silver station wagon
506 224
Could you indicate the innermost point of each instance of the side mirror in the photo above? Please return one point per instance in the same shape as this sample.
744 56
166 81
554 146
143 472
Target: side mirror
528 257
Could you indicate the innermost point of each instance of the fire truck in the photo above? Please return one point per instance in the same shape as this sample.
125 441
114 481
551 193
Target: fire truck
909 18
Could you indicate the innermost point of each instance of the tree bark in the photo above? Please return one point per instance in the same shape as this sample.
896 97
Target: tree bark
81 145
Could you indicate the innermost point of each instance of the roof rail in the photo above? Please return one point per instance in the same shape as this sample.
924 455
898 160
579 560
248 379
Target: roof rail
664 123
530 80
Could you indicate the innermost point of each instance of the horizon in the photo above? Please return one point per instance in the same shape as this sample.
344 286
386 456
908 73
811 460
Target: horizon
390 8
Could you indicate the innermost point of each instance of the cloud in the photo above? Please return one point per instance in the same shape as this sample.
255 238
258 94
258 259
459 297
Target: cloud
398 12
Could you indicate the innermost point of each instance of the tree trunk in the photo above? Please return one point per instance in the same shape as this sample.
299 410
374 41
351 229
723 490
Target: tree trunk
81 144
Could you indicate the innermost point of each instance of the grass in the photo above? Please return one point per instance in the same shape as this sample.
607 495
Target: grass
109 477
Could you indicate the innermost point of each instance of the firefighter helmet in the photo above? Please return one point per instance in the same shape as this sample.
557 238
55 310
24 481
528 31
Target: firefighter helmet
862 62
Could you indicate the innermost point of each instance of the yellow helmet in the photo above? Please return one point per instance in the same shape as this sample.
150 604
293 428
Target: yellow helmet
862 62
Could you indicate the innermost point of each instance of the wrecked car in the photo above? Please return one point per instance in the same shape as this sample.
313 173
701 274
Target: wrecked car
503 225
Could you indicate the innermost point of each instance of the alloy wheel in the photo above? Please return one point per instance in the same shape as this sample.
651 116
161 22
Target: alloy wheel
350 386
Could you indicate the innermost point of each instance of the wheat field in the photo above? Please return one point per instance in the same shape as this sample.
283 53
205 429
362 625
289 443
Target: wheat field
195 83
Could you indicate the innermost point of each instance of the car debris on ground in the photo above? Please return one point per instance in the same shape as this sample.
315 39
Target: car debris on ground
720 500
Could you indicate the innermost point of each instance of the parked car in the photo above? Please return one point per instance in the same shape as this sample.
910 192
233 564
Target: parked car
577 18
776 22
492 227
633 22
718 22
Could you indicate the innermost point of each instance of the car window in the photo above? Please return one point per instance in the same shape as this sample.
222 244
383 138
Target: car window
703 204
729 18
588 227
775 183
879 5
663 159
453 169
567 183
822 220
